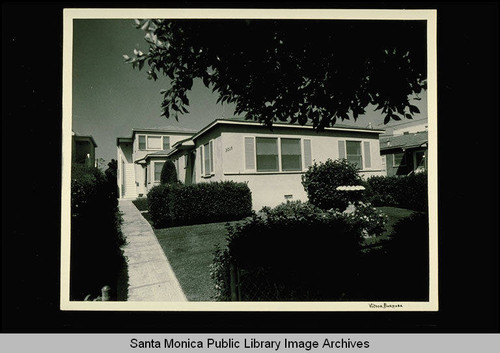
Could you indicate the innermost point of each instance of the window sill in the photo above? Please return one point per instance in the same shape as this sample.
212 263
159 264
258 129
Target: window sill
267 173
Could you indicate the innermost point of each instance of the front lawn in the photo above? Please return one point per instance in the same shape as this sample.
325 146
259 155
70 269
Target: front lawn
189 250
394 214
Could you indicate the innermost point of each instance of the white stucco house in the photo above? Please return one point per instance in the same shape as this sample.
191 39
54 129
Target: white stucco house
141 156
270 161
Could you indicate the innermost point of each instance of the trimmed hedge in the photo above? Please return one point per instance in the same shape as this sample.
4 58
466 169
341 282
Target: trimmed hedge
96 257
321 180
408 191
404 261
295 251
174 204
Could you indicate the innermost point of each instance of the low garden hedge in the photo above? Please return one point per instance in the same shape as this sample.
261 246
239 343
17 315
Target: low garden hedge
408 191
175 204
295 251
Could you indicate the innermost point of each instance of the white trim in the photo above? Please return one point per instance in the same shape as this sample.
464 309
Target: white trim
253 123
304 167
279 155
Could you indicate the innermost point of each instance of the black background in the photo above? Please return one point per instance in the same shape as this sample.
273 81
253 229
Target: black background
468 185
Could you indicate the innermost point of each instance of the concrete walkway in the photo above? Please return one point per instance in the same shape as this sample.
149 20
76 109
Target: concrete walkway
151 277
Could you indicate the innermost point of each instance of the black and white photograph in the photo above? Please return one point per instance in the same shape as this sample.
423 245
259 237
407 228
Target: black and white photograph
249 160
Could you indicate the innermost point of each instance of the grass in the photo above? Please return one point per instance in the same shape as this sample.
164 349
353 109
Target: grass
141 203
394 214
189 250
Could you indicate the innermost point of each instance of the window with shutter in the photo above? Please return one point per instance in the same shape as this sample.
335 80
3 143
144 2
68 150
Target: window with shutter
267 154
367 156
206 158
142 142
166 142
291 157
211 156
249 153
307 153
342 149
353 152
201 160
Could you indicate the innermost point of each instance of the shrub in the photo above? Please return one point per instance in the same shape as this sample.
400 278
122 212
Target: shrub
295 251
168 173
96 257
404 261
322 179
369 219
408 191
174 204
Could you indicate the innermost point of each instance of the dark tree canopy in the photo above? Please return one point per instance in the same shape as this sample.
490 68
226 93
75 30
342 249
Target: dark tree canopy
168 173
305 71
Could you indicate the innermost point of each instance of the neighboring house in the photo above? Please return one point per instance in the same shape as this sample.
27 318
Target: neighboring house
141 157
271 162
405 154
83 150
406 127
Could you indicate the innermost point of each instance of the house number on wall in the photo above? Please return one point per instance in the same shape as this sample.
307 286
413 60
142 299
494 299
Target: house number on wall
229 149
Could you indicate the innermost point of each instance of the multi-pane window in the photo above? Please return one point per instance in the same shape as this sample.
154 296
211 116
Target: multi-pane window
267 154
354 154
142 142
166 142
291 158
158 168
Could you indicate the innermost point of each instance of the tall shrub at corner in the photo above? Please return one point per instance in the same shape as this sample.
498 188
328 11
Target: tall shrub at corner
168 173
96 257
322 179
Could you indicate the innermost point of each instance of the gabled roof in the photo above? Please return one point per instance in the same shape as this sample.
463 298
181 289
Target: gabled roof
413 140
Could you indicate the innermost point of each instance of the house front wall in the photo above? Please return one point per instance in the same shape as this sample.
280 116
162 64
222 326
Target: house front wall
173 138
126 175
273 188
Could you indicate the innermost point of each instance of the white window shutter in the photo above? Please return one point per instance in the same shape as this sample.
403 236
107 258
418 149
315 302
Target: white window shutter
367 157
200 158
249 153
342 154
211 146
307 153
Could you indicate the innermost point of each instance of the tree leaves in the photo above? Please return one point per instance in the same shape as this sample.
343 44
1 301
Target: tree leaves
310 72
414 109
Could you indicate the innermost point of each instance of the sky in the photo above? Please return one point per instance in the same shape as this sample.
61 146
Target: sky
110 98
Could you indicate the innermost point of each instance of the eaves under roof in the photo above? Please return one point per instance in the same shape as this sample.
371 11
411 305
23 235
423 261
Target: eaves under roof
162 153
411 140
337 127
81 137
